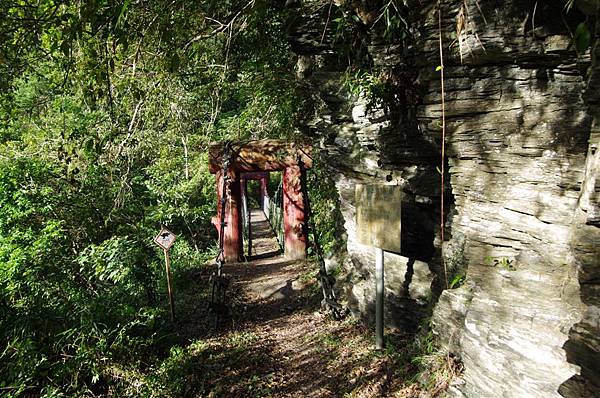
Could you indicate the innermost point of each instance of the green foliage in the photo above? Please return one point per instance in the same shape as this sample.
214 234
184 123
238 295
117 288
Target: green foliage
344 25
106 112
392 22
582 38
332 341
436 368
423 362
191 370
378 86
385 22
360 82
325 208
457 280
455 262
67 309
503 262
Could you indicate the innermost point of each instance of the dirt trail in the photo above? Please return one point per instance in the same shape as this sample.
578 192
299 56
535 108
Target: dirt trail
292 349
276 341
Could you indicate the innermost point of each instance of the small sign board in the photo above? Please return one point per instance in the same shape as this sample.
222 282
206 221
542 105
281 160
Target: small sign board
378 217
165 238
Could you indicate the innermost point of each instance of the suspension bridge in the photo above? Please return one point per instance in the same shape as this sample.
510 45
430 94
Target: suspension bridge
278 228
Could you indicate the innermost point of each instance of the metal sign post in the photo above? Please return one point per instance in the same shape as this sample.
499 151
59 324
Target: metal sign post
165 240
378 219
379 298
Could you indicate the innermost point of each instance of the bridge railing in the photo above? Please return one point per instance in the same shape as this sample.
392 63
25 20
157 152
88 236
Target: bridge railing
246 226
275 216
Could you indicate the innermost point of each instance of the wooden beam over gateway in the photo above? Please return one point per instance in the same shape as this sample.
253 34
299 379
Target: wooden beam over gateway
262 156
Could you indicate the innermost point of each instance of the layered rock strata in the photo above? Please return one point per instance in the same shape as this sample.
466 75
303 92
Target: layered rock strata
523 225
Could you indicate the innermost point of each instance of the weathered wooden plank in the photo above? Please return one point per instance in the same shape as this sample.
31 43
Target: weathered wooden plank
260 155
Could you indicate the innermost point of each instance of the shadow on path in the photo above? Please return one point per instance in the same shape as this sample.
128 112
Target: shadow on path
276 342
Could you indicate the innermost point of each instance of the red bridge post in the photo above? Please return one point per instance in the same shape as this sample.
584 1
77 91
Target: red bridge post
294 221
233 246
258 158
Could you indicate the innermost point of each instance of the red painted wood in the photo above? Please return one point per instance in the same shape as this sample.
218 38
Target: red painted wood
216 220
293 214
255 159
254 175
232 246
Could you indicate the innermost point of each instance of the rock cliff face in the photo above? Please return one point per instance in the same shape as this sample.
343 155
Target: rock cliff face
520 152
583 346
350 135
523 217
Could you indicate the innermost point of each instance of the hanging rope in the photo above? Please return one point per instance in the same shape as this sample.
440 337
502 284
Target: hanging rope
329 301
443 165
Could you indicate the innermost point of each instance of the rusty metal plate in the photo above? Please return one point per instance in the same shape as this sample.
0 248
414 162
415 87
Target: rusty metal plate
165 238
378 217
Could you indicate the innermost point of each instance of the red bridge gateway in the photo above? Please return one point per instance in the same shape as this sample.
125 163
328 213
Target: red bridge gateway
254 160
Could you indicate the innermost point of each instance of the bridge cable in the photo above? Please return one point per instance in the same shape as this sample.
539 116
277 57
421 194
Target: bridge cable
219 282
329 301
